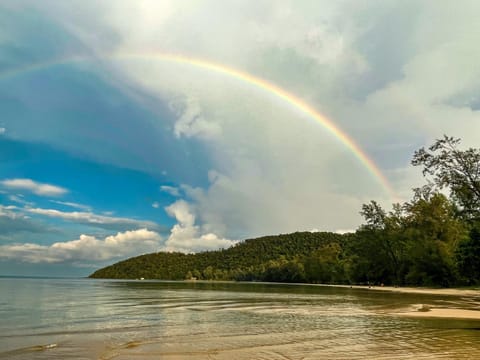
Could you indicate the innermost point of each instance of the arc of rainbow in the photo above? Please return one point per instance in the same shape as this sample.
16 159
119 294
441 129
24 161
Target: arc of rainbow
247 78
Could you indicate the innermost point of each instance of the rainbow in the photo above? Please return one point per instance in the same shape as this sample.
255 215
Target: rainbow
244 77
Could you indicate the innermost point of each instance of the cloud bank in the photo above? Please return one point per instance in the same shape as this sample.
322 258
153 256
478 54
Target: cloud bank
86 249
184 237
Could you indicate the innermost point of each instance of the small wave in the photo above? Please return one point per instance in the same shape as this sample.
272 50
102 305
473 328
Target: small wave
29 349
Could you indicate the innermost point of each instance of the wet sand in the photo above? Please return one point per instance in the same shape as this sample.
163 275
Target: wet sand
426 310
427 291
419 310
444 313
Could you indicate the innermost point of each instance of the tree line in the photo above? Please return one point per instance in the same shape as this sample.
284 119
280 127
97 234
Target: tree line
433 239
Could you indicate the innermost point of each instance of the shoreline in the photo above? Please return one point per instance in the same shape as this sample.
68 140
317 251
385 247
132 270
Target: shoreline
471 291
414 310
415 290
418 310
444 313
433 311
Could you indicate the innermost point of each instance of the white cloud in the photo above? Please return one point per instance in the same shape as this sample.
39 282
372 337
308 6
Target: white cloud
34 187
170 190
20 200
72 205
187 237
7 211
192 122
93 219
155 205
269 206
86 248
2 130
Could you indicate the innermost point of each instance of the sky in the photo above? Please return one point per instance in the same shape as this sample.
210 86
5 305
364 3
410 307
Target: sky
130 127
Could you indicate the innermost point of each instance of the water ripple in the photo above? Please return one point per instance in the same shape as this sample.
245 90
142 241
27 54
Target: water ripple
135 320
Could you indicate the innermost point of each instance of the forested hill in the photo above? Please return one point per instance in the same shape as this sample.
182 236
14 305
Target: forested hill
270 258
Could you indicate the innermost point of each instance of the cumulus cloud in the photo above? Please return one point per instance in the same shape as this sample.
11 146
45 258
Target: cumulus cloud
89 218
35 187
187 237
2 130
86 248
280 209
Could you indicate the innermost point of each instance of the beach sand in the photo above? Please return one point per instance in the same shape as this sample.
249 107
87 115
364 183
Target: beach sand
429 291
443 313
427 310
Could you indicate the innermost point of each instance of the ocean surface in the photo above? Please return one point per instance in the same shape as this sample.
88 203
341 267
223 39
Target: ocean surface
103 319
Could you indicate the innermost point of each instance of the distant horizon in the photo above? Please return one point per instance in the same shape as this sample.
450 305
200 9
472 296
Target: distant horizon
41 277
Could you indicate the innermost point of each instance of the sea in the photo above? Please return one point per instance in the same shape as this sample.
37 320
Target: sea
45 318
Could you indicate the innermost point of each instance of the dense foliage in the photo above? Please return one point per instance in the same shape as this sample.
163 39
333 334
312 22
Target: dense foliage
433 239
288 258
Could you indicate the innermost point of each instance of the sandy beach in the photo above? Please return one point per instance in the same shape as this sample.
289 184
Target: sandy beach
428 291
428 310
443 313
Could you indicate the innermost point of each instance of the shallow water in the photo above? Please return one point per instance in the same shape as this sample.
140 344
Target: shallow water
102 319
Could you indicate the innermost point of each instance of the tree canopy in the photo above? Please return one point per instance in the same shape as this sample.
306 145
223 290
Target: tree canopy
445 166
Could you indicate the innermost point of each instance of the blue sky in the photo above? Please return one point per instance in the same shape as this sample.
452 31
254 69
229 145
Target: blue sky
103 157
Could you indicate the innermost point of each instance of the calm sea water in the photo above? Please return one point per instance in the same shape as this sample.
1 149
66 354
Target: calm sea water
98 319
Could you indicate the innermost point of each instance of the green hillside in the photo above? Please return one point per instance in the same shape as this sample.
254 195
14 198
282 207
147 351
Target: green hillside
269 258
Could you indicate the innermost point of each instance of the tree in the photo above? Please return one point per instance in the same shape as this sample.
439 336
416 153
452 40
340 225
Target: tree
324 265
458 170
414 243
381 244
434 233
468 257
433 214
